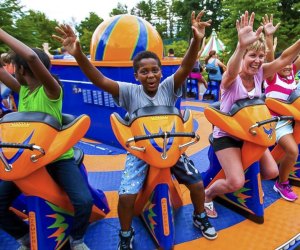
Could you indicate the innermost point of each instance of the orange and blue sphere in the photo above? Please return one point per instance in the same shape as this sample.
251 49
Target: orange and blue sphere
121 37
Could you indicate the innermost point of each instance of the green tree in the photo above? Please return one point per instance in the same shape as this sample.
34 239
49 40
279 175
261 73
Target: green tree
144 10
232 10
289 29
182 10
10 11
160 22
86 30
35 28
179 47
120 9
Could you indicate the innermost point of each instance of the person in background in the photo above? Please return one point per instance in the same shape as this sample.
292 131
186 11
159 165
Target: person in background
213 66
6 92
171 53
198 69
63 54
40 91
151 92
246 70
280 85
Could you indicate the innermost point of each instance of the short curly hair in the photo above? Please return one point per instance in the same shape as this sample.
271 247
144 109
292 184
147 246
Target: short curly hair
142 55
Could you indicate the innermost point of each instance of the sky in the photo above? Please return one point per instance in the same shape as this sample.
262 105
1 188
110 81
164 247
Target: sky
64 10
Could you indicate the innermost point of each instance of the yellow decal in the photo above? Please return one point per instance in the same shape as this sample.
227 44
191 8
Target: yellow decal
33 233
155 118
165 216
20 124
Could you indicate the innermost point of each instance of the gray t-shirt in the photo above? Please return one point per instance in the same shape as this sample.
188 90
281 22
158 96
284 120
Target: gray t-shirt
132 96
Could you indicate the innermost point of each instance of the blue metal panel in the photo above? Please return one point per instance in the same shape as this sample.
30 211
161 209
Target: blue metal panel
82 97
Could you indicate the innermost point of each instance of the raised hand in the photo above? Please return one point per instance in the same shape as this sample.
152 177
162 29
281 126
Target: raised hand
198 27
46 46
67 38
244 26
269 28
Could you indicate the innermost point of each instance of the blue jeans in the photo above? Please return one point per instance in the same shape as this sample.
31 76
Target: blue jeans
67 175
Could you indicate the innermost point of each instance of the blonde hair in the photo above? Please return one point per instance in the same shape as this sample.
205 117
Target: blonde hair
259 44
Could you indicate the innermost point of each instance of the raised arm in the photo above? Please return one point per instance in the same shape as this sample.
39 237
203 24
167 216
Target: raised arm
269 30
70 42
46 49
287 57
198 28
52 87
222 65
297 63
7 79
246 36
202 47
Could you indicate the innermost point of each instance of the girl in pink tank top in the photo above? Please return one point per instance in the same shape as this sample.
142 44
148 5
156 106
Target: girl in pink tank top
243 78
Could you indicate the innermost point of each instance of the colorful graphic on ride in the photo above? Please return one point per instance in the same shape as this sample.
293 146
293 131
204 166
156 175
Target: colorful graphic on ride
159 136
48 208
250 121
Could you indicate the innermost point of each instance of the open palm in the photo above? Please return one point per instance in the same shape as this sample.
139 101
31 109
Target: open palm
67 38
198 26
246 34
269 28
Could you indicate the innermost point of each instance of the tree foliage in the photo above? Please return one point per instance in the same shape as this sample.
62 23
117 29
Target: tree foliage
120 9
86 30
171 18
10 10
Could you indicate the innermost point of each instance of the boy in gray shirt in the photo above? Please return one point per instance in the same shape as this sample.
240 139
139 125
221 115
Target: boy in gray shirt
151 92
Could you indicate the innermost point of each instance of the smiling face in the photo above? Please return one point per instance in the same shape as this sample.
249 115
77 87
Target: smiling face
286 71
253 59
149 75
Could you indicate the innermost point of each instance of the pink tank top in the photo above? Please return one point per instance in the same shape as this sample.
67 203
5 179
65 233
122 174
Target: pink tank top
235 92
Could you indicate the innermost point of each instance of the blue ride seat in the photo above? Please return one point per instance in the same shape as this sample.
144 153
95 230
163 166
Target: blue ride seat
213 88
192 89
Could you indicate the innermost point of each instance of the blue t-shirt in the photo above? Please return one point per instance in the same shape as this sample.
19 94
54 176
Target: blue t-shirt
215 74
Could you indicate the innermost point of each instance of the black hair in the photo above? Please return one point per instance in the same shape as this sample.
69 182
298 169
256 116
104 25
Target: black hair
144 55
171 51
19 61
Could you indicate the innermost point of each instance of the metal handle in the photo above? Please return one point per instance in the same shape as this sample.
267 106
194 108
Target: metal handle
195 140
274 119
8 167
34 158
164 136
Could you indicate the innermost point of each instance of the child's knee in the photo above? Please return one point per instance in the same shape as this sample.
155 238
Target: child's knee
196 187
293 153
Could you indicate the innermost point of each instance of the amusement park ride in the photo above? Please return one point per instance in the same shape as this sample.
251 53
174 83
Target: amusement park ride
158 135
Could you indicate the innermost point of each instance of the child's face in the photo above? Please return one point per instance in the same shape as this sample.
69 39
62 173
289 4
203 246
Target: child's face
149 75
253 60
286 71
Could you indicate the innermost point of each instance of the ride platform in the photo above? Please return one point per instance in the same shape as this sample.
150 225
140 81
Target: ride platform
280 230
